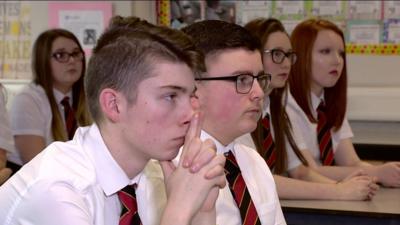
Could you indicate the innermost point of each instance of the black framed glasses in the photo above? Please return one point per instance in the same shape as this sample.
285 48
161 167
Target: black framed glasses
279 55
244 82
64 57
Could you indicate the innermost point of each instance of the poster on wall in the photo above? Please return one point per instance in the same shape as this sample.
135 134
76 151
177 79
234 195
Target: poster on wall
288 10
391 9
363 32
365 9
391 31
249 10
87 20
370 26
328 9
180 13
15 41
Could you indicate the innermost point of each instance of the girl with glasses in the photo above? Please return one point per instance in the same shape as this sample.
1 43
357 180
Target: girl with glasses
317 105
53 104
274 138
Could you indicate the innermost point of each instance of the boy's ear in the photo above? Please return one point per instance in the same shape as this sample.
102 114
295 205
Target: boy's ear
110 104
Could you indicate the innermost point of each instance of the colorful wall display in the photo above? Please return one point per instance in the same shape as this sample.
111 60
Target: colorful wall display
15 41
370 27
86 20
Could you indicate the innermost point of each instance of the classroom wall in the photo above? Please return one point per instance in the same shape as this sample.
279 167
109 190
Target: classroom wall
39 23
143 9
374 98
374 81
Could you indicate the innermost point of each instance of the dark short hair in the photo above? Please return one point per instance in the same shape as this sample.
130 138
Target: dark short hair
211 36
126 55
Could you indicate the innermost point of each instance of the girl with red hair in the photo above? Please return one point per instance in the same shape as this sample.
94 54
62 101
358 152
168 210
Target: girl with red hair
273 137
317 104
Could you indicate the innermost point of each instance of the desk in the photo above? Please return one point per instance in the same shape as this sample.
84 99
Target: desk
383 209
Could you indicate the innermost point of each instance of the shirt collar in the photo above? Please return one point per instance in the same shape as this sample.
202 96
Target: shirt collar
315 100
221 149
115 178
266 107
59 96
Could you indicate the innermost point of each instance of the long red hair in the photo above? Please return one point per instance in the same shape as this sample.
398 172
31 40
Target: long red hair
303 39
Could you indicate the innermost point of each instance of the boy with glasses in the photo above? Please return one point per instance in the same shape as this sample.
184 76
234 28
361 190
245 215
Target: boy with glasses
230 95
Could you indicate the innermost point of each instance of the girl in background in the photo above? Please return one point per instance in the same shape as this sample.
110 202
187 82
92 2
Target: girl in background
53 105
274 138
317 104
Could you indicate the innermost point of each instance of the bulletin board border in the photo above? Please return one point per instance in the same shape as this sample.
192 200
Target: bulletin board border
373 49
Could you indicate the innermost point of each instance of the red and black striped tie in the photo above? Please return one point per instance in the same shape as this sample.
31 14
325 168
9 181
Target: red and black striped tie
324 137
70 121
269 151
129 213
239 190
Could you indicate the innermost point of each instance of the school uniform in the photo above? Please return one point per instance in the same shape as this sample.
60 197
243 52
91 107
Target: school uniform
257 177
6 139
74 182
31 114
307 131
293 160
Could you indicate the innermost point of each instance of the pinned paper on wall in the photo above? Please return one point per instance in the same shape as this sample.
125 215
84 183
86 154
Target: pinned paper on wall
289 10
178 13
365 9
391 9
15 41
391 31
249 10
363 32
329 9
87 20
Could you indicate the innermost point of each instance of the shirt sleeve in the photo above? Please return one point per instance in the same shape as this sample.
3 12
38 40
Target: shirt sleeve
6 139
56 204
293 159
27 117
343 133
279 218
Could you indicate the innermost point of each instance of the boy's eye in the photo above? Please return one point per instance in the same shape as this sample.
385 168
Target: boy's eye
170 97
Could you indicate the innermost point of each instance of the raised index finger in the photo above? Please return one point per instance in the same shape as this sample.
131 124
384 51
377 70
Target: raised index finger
194 128
189 150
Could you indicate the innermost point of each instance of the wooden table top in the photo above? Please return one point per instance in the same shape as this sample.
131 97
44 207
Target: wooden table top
385 203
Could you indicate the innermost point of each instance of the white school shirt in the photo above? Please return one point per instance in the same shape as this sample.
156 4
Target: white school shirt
74 182
259 182
30 114
6 138
257 176
308 130
293 160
